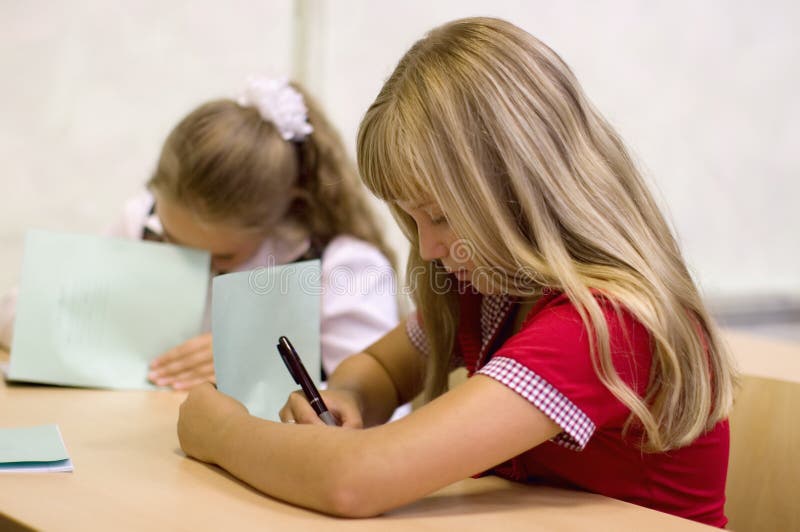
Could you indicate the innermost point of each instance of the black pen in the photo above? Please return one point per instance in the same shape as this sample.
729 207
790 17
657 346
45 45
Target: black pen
300 376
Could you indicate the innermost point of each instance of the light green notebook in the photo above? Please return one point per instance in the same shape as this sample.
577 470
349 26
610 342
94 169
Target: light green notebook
249 312
33 449
94 311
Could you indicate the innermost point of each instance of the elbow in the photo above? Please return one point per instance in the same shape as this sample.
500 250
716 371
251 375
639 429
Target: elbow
355 490
346 501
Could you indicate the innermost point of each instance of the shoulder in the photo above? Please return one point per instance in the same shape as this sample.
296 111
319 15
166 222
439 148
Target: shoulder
347 251
555 341
135 213
139 206
556 319
550 362
352 266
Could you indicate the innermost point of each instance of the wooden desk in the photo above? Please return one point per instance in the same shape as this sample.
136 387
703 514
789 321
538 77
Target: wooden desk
131 475
763 470
765 357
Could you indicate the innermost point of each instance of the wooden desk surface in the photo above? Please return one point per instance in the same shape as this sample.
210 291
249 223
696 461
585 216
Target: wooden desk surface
765 357
131 475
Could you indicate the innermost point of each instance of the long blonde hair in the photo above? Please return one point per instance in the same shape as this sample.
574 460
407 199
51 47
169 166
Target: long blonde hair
229 165
488 122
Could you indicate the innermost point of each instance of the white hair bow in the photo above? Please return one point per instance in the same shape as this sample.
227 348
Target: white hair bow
279 103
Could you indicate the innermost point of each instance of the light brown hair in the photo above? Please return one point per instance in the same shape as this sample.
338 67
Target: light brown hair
230 166
488 122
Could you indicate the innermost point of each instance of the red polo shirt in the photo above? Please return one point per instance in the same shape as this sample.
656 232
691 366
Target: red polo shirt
548 362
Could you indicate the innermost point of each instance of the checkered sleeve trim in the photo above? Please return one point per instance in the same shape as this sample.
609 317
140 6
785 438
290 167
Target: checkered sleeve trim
576 425
417 335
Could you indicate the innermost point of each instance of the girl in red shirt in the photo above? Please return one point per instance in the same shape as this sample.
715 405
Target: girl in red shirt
540 262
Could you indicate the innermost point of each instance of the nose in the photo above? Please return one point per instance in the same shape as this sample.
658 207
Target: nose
431 247
220 266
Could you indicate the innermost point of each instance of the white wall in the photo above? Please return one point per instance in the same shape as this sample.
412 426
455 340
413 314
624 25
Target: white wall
90 90
704 93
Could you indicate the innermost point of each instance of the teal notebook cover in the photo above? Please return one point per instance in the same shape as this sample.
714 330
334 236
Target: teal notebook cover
38 448
94 311
250 311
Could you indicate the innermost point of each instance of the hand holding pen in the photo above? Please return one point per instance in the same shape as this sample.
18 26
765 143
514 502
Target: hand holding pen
301 377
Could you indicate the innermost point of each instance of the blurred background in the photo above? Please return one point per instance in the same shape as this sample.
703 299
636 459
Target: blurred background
704 93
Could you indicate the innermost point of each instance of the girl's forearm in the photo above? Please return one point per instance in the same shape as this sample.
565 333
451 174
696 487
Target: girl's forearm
329 469
300 464
387 374
359 473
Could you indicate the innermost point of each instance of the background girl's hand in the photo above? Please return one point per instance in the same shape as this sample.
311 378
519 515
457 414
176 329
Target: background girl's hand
343 404
202 420
186 365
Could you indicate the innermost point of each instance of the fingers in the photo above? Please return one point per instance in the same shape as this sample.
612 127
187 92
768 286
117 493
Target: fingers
198 343
302 411
203 370
285 415
349 416
198 375
186 363
195 365
192 365
297 410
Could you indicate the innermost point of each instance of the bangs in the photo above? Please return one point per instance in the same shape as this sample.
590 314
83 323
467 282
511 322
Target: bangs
389 160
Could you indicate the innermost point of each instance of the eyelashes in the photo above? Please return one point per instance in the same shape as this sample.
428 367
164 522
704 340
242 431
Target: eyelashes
437 217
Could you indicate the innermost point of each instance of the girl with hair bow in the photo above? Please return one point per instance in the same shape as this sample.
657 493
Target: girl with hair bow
260 181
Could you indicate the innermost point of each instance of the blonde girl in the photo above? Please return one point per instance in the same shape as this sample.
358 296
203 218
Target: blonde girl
260 181
541 263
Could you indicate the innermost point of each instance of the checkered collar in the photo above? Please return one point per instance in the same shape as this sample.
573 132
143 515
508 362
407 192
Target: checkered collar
495 311
482 320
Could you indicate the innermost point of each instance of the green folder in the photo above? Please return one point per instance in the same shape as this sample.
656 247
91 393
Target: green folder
249 312
94 311
37 448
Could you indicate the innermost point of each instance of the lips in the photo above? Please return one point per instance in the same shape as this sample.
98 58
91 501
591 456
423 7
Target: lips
461 275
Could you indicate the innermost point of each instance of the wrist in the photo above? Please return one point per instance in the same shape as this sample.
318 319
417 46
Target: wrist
226 437
370 386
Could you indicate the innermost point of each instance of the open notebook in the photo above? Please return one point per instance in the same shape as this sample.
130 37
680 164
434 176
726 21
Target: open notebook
250 311
33 449
94 311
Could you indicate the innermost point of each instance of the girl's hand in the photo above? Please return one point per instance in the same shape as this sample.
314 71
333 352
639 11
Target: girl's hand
186 365
203 419
343 404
